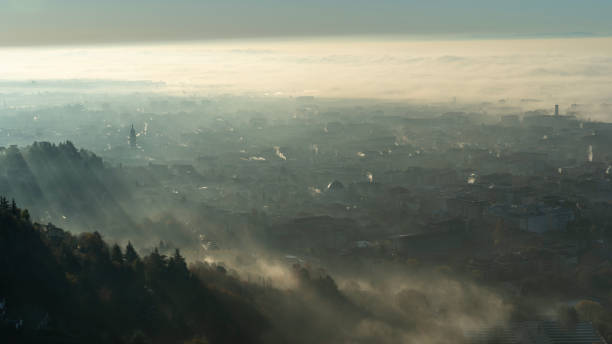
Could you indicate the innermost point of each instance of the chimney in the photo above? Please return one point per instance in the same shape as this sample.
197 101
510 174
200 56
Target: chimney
556 110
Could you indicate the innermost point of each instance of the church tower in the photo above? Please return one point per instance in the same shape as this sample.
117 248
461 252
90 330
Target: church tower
132 139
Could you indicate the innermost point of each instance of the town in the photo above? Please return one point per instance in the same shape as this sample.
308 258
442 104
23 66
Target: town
518 201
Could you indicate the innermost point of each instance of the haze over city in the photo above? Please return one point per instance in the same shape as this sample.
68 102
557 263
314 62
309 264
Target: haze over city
305 172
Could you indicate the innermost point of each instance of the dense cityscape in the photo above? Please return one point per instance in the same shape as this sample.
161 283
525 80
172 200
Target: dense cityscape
514 202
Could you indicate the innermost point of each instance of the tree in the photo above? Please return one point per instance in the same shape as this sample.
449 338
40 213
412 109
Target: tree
4 203
69 149
14 209
177 265
130 254
25 214
116 254
155 266
74 280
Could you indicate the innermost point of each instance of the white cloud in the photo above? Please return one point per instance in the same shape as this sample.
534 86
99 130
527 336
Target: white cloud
556 70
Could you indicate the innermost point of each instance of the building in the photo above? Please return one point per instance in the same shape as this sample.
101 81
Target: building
132 138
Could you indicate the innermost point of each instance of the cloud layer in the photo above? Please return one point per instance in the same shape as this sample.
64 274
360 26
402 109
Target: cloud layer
563 71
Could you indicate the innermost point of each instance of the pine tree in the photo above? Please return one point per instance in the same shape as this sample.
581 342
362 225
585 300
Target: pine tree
4 203
157 259
130 254
177 265
156 266
14 209
116 254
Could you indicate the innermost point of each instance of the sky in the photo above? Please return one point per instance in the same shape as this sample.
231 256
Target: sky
61 22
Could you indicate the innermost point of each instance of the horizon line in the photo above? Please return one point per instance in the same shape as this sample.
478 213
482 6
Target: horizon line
306 38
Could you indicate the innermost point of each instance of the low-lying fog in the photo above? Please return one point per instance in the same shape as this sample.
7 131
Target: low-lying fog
553 70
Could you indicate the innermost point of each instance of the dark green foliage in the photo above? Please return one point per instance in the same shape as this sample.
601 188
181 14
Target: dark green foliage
25 214
177 266
130 254
116 255
4 205
14 209
90 293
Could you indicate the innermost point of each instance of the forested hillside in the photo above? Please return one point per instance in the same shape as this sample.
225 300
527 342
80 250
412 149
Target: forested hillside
60 182
57 287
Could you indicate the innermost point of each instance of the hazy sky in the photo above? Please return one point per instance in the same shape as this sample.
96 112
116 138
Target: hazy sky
562 71
31 22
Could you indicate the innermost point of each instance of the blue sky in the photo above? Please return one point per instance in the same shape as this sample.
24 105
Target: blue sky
31 22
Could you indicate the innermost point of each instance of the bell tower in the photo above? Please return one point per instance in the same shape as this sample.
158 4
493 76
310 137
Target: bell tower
132 139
